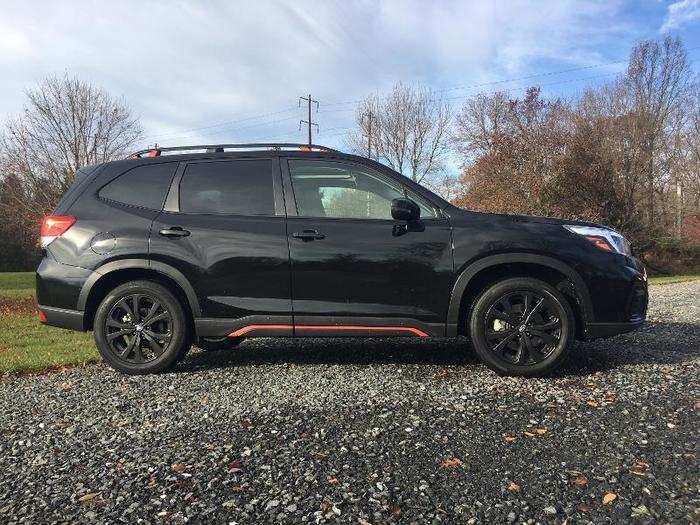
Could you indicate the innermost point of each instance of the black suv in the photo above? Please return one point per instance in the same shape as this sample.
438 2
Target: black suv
213 244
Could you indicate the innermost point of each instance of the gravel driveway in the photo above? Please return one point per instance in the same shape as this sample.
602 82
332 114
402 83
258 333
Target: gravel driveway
366 431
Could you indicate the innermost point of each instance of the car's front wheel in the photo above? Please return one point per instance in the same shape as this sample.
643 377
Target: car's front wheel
522 326
141 328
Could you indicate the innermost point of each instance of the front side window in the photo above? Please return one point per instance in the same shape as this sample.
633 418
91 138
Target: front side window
144 186
237 187
338 190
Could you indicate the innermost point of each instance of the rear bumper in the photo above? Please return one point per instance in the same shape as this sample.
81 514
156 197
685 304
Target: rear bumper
62 318
601 330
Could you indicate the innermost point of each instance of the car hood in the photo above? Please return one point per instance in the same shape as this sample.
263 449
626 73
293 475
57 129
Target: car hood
532 219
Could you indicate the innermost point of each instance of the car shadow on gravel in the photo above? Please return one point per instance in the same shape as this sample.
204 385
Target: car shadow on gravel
657 343
332 351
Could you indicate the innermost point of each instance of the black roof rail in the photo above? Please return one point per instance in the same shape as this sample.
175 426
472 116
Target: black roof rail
220 148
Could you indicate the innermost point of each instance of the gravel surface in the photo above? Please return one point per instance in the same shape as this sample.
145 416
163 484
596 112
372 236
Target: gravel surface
366 431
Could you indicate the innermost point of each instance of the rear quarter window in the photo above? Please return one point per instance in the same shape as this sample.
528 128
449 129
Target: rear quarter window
143 186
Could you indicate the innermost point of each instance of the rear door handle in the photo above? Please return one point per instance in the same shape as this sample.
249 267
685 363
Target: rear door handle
174 231
309 235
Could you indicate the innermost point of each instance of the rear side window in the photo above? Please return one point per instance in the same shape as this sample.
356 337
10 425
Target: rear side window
238 187
144 186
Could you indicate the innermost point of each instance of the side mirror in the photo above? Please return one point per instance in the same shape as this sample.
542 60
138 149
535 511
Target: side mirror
405 210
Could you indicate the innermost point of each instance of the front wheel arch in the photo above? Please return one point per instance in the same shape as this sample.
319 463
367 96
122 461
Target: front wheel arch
479 275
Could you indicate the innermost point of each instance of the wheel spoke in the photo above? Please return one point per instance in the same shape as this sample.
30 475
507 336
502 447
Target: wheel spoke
129 347
527 343
498 334
138 354
151 312
137 314
548 338
159 317
538 306
120 333
117 324
549 325
504 342
165 335
125 306
153 343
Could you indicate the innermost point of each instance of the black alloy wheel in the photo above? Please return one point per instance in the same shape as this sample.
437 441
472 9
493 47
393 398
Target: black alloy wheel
522 326
141 328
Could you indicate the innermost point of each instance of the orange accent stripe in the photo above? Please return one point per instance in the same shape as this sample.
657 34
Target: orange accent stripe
351 328
328 328
254 327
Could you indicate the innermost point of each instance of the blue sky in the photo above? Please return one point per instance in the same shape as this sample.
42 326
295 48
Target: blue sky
206 71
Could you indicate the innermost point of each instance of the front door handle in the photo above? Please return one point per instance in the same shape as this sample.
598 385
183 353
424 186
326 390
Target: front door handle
308 235
174 231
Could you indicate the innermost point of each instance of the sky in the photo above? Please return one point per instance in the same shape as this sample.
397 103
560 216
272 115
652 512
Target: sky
217 72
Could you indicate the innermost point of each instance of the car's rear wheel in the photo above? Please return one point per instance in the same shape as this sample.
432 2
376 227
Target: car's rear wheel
522 327
141 328
213 344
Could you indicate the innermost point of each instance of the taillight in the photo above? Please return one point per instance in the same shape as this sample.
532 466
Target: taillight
53 226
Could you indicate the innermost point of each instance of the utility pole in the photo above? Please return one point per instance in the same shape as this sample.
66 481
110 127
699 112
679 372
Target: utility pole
309 122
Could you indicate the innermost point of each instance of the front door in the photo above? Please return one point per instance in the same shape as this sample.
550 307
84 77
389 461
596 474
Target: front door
224 229
355 270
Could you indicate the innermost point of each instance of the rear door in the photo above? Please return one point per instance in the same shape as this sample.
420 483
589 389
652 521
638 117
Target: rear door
355 270
223 227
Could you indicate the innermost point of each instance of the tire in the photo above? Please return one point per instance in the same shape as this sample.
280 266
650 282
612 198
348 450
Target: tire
522 327
214 344
129 342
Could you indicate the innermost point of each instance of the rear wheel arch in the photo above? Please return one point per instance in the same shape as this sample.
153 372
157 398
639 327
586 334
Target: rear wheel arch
479 275
111 275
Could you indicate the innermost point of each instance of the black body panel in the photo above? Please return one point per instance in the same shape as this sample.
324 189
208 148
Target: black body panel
250 274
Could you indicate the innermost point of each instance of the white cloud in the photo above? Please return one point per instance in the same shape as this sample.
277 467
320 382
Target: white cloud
184 65
680 13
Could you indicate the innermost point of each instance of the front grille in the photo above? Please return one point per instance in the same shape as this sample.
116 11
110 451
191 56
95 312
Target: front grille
638 302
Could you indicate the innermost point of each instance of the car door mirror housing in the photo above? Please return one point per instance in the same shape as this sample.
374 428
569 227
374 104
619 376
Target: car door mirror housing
405 210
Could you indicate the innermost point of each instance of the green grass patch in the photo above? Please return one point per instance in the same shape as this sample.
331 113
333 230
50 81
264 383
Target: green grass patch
28 346
16 283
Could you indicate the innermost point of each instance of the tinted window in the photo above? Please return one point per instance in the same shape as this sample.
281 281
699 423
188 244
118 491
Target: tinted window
144 186
332 189
239 187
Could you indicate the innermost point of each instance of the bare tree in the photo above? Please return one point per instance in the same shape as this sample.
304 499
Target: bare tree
657 78
406 129
66 124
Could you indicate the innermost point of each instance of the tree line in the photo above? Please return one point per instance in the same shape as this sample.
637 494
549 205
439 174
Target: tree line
625 154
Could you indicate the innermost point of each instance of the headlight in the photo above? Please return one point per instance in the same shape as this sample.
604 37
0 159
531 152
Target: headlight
603 238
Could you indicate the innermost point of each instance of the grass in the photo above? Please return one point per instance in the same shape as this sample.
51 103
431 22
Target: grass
25 344
28 346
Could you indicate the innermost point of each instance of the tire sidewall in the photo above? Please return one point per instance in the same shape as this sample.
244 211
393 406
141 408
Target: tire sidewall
476 327
178 341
